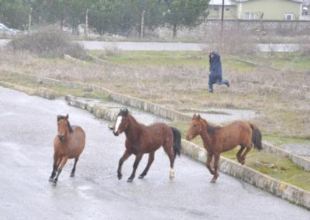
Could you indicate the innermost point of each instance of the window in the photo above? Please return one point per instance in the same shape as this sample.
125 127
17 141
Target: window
289 16
250 15
305 11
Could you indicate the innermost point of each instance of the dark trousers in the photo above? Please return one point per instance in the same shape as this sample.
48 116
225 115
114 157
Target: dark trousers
213 79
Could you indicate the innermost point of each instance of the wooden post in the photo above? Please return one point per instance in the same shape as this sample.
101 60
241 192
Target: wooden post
86 24
222 24
142 24
222 15
29 19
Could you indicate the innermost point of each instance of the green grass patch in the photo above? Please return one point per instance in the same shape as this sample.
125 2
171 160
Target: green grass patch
280 140
291 61
166 58
237 64
284 61
277 167
137 58
30 84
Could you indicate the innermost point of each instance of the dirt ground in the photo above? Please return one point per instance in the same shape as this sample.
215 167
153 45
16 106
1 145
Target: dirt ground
276 87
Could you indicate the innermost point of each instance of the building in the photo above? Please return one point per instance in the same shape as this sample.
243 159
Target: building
274 10
215 9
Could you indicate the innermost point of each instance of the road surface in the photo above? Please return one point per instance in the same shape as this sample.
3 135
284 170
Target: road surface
28 126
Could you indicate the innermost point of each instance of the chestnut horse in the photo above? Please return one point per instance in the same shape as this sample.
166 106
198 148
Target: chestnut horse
141 139
69 143
220 139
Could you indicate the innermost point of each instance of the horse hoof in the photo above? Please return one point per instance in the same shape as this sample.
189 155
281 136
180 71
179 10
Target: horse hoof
72 175
119 176
213 181
130 180
171 174
141 176
51 180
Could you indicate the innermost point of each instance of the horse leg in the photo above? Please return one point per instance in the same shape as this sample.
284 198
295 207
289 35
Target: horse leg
244 154
209 159
149 163
74 166
171 158
120 163
170 152
135 165
240 153
61 165
216 165
54 168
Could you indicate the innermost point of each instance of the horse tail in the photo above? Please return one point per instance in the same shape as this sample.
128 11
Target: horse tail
256 137
176 141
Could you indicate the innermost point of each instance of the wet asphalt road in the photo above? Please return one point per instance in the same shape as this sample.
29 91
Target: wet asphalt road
28 126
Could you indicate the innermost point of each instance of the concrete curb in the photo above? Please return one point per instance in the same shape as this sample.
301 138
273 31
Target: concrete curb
284 190
126 100
298 160
175 115
281 189
164 112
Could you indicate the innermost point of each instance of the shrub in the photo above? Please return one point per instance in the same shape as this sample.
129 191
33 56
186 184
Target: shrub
48 43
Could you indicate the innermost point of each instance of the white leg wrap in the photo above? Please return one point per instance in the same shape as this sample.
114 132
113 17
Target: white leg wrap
171 174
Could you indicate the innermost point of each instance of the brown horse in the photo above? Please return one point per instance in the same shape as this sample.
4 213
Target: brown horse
142 139
68 144
220 139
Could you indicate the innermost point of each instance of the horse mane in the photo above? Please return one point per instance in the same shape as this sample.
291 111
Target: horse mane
134 120
211 129
60 117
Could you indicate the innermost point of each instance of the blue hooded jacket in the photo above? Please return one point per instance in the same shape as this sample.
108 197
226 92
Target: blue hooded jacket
215 65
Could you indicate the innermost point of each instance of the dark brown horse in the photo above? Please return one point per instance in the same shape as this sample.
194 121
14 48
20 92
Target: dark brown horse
141 139
68 144
220 139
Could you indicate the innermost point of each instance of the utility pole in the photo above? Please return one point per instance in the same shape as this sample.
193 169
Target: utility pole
222 24
29 19
222 16
86 24
142 24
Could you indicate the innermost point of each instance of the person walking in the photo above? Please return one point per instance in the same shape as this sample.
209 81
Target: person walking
215 76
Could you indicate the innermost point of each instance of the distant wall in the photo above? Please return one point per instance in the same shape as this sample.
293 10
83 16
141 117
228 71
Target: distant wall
254 27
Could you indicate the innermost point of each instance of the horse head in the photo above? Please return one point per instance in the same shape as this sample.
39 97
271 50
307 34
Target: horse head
63 127
122 122
195 127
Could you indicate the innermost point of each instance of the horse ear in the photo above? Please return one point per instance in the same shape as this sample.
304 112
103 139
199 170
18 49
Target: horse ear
126 111
194 116
198 116
67 116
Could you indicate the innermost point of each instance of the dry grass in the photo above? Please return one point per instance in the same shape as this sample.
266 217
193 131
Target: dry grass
279 90
48 42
